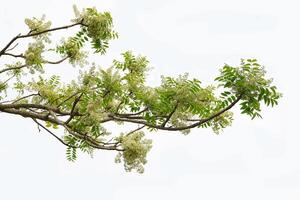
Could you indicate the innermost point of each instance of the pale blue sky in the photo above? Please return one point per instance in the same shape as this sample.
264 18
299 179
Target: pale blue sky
251 160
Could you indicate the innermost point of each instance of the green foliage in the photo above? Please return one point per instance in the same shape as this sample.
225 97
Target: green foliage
72 49
51 125
99 28
71 152
119 93
3 86
249 81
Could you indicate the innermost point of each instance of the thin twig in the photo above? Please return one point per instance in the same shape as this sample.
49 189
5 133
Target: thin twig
14 55
13 68
169 116
63 142
35 34
116 118
12 48
55 62
73 108
67 99
25 97
131 114
135 130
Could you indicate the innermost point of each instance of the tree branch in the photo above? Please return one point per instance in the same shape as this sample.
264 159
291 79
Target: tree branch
67 99
30 95
14 55
160 127
90 141
22 66
36 106
59 139
56 62
12 68
73 108
135 130
19 36
169 116
131 114
12 48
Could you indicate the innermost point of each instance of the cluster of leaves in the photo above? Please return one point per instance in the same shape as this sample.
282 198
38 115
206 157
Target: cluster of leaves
99 27
135 68
72 49
74 144
220 122
96 27
248 80
47 89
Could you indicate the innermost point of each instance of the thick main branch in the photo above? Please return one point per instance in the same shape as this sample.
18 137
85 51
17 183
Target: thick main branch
162 127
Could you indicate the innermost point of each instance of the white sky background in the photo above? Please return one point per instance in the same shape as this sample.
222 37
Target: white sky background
251 160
